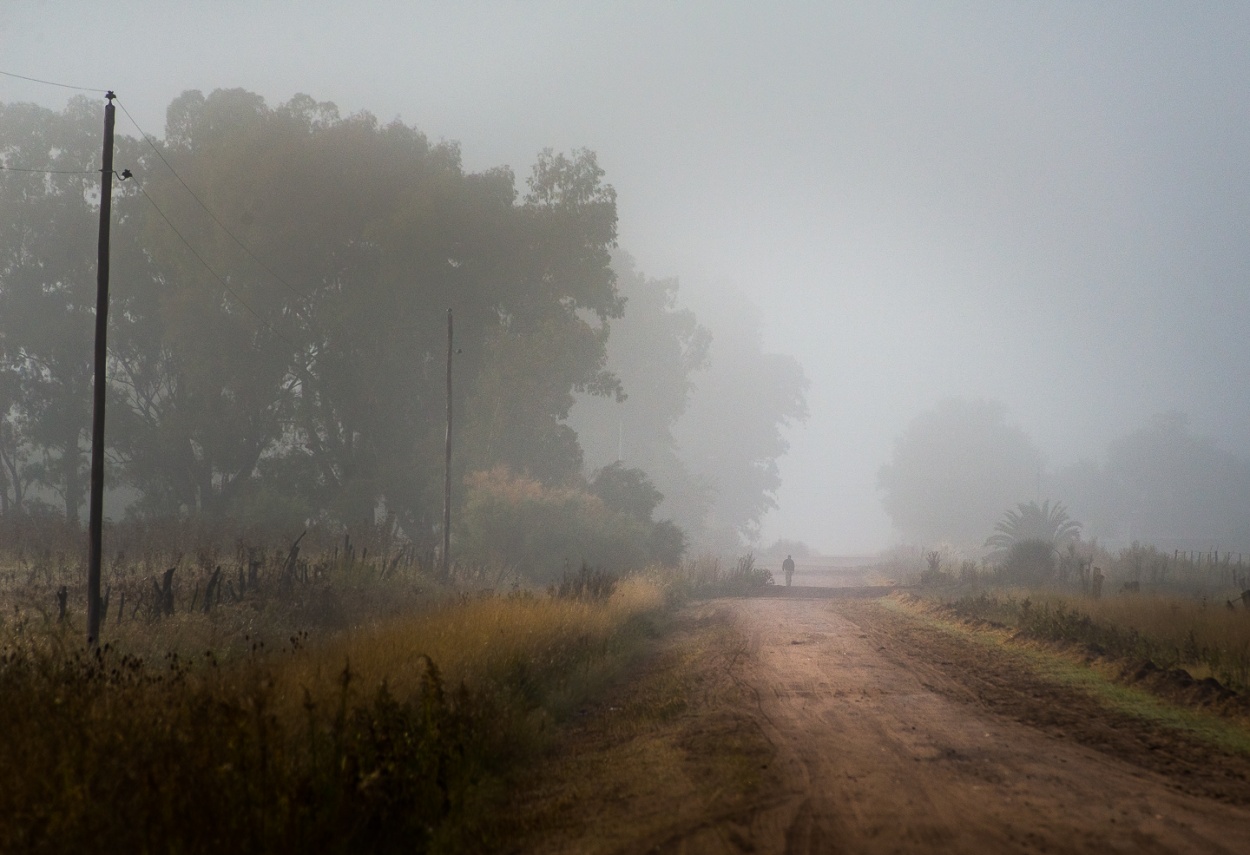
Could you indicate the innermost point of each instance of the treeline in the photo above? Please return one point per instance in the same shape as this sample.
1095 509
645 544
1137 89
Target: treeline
961 465
280 282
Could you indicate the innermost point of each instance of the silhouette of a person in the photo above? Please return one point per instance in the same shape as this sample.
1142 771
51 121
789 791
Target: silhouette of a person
788 567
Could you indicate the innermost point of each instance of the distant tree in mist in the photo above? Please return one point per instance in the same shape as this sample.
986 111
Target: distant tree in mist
953 471
1165 486
658 350
704 412
733 434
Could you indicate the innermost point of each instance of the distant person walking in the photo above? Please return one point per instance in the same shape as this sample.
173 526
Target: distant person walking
787 567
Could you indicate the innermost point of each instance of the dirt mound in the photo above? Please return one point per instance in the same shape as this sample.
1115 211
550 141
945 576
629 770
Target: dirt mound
1179 685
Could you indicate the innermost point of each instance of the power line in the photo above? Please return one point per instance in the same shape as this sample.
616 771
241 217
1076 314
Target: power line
157 208
301 295
52 171
215 274
51 82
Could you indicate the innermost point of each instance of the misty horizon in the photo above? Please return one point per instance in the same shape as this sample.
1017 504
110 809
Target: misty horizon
1041 206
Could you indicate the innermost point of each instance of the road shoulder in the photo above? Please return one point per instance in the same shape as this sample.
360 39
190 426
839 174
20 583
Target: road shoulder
674 751
1060 693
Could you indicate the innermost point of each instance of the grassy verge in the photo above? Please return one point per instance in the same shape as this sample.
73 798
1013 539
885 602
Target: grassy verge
1102 678
655 758
386 736
1172 632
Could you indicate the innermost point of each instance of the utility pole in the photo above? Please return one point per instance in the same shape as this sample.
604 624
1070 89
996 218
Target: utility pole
96 525
447 467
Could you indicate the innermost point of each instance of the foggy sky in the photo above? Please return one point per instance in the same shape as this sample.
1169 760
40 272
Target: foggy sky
1043 203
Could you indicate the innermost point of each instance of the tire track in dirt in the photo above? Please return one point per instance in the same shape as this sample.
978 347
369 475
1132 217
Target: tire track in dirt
892 737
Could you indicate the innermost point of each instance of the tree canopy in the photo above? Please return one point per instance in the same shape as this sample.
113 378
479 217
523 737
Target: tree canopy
49 192
657 349
704 412
1165 485
281 281
953 471
278 334
733 434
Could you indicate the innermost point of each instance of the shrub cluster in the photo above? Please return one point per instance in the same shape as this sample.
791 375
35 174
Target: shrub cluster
705 577
539 531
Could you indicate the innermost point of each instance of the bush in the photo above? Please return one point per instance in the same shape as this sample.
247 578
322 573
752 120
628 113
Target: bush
746 576
509 520
703 577
1029 562
588 584
667 543
933 573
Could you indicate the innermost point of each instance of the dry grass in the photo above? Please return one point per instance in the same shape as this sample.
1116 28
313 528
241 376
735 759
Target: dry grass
478 640
1178 621
705 576
1206 638
355 710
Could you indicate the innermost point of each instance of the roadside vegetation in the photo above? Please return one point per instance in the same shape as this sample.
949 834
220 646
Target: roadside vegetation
329 693
1166 631
1179 622
708 576
284 663
375 730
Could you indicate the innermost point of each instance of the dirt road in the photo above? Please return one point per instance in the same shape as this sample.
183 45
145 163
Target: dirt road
891 738
798 724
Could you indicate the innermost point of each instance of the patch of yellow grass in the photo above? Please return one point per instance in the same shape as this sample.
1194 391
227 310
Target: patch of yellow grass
1161 614
475 640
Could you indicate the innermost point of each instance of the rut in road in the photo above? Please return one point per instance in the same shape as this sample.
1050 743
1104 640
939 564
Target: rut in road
882 751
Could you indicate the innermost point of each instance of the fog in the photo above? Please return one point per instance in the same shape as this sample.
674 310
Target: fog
1040 204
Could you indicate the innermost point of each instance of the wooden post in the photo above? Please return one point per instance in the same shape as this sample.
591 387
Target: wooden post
446 570
95 526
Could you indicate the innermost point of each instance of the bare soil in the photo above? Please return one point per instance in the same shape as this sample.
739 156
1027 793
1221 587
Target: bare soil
837 725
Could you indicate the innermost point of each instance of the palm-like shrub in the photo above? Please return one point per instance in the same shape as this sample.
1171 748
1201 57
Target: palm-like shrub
1028 538
1031 521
